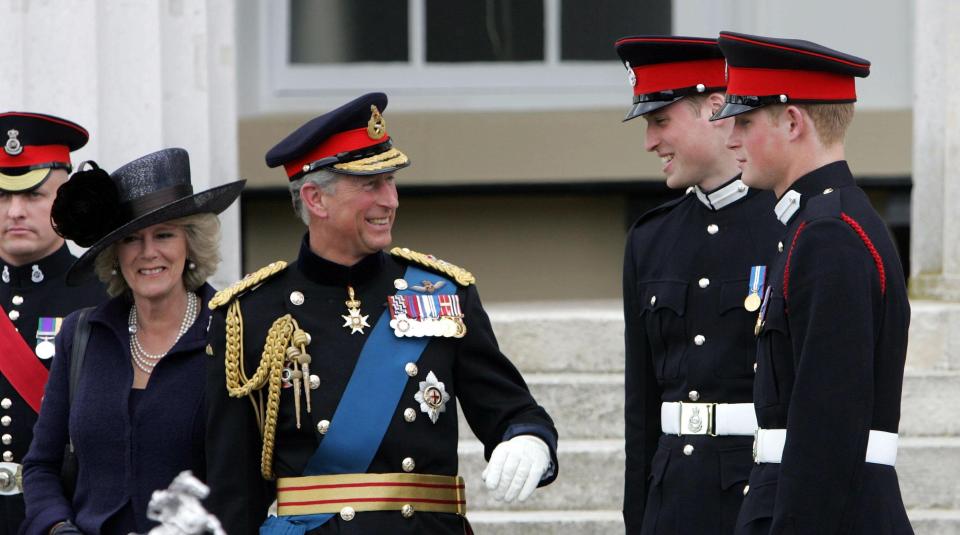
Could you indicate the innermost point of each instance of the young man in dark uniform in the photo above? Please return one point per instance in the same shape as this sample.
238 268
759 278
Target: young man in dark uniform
353 425
34 296
833 325
691 276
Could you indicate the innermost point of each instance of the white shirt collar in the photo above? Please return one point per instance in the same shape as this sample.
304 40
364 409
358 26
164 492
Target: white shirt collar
724 196
787 206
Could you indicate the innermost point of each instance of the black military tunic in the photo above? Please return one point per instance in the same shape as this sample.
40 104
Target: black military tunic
689 338
830 366
27 294
492 393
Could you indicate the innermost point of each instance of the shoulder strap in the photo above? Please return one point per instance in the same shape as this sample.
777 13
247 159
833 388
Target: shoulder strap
80 337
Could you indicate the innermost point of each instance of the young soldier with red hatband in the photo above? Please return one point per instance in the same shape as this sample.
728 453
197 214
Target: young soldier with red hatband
832 328
688 296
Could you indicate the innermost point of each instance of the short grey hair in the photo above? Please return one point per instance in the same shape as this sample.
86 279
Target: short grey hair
322 178
203 249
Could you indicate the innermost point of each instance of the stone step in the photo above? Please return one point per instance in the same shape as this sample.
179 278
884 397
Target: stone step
581 336
561 522
924 521
591 476
587 336
591 405
930 521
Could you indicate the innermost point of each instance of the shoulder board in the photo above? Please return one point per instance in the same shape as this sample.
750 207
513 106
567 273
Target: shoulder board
462 276
252 279
824 205
665 207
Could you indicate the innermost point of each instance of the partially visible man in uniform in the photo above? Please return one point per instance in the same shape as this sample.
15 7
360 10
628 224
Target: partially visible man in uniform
833 323
34 296
353 360
691 277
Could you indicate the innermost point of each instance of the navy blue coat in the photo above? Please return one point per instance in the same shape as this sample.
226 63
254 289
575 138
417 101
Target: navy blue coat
685 274
121 459
830 363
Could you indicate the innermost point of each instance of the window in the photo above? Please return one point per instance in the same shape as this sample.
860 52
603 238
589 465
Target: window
481 53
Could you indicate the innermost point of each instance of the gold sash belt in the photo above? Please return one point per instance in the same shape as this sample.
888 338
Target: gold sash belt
311 495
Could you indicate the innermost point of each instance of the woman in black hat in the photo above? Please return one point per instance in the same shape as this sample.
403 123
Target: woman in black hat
134 412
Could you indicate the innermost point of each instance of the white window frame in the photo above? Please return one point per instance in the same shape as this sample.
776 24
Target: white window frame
546 84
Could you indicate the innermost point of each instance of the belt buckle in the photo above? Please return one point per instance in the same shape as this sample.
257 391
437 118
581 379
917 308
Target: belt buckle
756 445
697 419
11 479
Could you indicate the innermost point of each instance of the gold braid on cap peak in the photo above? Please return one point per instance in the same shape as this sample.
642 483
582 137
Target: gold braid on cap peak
226 295
462 276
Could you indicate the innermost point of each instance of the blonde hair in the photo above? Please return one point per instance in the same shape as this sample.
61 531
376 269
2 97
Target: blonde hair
829 120
203 249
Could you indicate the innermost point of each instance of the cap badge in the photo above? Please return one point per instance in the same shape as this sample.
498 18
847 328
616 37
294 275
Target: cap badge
631 77
13 146
376 126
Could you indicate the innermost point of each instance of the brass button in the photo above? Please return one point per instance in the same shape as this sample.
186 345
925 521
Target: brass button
7 439
653 300
209 350
409 414
754 367
314 382
694 395
704 282
746 489
827 191
699 339
323 426
296 297
688 450
408 465
14 315
411 369
6 403
6 421
712 229
347 513
400 284
406 510
780 247
17 300
8 456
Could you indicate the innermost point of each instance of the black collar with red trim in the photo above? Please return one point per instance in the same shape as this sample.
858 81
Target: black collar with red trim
822 180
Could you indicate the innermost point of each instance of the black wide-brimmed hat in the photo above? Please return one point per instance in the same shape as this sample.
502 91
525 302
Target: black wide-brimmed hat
95 209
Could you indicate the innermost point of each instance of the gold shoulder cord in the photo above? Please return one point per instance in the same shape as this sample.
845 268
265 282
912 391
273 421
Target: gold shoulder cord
462 276
284 333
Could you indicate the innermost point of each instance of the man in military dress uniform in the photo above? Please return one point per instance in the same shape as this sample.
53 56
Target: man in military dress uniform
34 296
833 325
335 381
691 276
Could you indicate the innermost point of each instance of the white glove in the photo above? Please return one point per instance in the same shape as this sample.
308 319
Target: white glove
516 468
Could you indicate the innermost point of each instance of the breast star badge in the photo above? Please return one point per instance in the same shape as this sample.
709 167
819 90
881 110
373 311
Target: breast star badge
432 397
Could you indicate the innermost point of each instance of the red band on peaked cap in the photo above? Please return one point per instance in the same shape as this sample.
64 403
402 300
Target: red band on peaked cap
36 155
657 77
796 85
347 141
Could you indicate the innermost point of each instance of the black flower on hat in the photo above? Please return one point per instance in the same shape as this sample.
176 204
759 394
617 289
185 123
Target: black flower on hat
86 207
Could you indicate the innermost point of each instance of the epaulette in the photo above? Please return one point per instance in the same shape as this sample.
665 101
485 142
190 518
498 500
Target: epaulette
827 204
462 276
665 207
227 294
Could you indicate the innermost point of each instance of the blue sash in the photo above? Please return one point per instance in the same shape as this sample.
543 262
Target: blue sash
371 397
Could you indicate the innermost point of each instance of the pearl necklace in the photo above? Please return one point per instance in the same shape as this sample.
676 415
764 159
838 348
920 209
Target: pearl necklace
147 361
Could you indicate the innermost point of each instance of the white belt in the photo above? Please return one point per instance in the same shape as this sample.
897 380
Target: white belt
682 418
11 479
768 446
